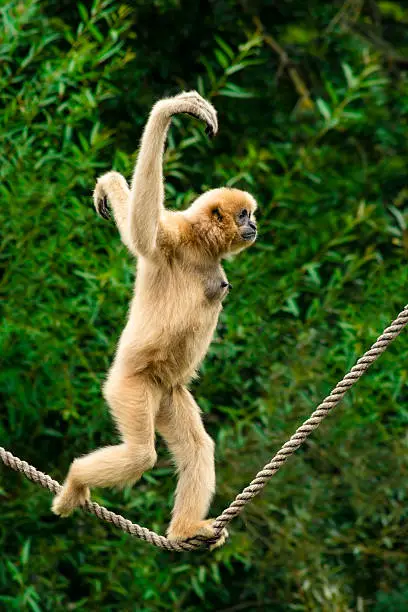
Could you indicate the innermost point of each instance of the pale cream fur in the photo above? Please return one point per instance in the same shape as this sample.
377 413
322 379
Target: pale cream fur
179 288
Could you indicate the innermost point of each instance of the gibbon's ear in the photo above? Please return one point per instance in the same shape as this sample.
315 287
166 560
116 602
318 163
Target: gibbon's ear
216 213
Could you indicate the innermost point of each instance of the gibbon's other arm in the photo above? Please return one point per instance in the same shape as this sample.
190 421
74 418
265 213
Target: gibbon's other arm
113 186
147 191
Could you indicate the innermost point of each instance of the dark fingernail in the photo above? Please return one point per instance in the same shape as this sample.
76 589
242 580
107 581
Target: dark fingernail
103 210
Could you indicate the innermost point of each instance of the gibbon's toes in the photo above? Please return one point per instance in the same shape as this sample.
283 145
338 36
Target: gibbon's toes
223 537
68 499
208 533
202 530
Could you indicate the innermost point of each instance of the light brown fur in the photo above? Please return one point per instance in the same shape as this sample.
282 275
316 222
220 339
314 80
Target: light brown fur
179 288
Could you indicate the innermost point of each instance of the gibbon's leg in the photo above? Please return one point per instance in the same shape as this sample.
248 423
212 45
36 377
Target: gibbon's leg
113 186
147 190
179 422
134 402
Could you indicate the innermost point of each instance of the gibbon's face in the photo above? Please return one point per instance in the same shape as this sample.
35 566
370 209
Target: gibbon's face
225 221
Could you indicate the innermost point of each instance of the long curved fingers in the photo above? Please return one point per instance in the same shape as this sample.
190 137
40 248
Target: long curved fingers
192 104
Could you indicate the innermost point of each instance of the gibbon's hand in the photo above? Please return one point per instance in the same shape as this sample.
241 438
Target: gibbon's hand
193 104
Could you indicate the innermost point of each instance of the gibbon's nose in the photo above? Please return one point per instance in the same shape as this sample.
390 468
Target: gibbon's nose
249 232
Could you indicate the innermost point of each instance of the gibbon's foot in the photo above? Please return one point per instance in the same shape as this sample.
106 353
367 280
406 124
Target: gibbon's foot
203 530
69 498
191 103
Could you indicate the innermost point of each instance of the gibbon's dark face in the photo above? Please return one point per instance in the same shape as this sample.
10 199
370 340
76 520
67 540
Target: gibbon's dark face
224 221
233 213
237 225
247 225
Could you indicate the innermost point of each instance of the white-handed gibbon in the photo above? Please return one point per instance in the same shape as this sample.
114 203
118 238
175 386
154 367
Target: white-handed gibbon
179 287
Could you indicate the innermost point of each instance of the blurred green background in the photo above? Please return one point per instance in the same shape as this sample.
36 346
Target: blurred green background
312 100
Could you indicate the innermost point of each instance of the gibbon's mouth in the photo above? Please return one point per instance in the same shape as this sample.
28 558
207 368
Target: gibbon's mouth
249 235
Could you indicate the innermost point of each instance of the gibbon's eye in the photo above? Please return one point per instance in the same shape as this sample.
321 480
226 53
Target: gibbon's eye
243 214
216 213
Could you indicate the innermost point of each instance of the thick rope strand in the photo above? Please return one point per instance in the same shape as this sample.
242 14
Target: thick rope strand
312 423
260 480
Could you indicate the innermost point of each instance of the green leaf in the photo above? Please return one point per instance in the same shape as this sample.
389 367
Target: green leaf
25 552
350 78
292 307
225 47
244 64
97 34
324 109
221 58
83 12
234 91
399 217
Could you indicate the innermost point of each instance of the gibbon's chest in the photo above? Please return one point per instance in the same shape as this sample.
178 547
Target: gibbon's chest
215 284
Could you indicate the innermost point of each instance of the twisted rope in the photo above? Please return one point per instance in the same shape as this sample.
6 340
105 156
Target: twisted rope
313 422
262 477
100 511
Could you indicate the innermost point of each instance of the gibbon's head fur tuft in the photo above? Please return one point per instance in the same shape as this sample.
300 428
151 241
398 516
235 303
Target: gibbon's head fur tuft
222 221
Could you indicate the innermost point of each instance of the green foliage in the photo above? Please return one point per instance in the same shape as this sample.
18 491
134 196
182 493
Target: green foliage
312 100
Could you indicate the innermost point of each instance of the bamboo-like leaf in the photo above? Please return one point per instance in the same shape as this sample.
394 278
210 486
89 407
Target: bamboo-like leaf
324 109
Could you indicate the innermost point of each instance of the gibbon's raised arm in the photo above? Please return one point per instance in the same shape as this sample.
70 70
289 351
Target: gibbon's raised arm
147 191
